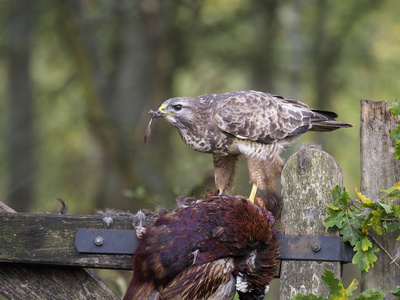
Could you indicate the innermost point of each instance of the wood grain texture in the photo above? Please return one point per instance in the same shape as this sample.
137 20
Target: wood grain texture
379 170
38 282
307 180
49 239
19 281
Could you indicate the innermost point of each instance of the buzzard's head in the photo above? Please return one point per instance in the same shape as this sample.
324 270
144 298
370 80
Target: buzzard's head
180 111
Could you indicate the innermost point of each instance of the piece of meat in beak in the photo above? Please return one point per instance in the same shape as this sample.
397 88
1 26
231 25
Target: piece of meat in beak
154 115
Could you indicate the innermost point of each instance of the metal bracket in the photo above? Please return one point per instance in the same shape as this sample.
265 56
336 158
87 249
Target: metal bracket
106 241
292 247
326 248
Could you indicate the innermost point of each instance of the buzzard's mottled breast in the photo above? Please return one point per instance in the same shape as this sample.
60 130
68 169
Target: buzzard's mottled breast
196 125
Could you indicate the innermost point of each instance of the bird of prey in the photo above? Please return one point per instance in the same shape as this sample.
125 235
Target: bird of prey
254 124
207 250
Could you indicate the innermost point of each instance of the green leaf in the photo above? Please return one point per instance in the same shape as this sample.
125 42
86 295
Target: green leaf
365 244
310 296
337 192
371 205
351 231
333 206
393 192
386 207
396 291
336 218
364 259
371 295
392 226
344 198
375 221
395 133
395 108
352 287
341 196
396 150
334 285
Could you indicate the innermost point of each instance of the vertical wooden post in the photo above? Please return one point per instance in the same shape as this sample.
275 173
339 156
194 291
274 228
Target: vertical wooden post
307 180
379 170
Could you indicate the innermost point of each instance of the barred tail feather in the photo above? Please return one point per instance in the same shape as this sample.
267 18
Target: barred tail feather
327 121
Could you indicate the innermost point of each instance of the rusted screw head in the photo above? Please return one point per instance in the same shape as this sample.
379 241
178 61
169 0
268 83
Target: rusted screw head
316 247
98 241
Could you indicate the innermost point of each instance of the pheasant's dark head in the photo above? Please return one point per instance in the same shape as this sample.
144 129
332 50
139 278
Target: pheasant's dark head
256 272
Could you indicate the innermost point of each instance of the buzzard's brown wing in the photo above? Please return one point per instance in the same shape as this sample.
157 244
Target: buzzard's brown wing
263 117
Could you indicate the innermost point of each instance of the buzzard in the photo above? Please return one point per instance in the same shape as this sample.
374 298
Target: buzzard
254 124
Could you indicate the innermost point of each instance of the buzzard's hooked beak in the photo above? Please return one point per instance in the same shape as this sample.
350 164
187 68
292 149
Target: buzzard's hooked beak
161 112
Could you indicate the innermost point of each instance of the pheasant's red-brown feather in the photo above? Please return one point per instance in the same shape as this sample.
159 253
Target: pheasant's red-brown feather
189 244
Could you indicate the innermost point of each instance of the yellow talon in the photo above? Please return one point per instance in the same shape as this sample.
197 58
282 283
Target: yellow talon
253 193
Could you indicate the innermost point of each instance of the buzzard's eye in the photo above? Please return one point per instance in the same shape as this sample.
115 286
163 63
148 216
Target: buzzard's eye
177 107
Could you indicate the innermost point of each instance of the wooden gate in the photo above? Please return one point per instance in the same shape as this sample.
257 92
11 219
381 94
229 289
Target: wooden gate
40 259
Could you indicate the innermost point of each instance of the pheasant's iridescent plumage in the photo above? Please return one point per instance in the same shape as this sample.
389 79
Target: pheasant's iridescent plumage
207 250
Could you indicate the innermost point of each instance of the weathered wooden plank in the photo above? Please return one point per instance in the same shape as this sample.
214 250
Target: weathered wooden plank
48 239
37 282
307 179
379 170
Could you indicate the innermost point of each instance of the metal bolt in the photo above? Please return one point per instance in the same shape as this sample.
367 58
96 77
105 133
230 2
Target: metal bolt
98 241
316 247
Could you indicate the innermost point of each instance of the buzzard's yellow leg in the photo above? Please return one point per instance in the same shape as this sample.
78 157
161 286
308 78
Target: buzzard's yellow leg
253 193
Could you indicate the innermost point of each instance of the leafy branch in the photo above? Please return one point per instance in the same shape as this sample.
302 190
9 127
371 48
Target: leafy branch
395 133
338 292
357 218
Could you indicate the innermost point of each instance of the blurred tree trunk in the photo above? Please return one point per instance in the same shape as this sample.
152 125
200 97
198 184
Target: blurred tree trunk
20 106
294 64
329 43
117 83
264 61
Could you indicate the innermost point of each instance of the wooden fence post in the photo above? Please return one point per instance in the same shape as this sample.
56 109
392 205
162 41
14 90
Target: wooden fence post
19 281
307 180
379 170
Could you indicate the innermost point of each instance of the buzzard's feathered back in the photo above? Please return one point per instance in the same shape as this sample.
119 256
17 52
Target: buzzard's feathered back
203 250
268 118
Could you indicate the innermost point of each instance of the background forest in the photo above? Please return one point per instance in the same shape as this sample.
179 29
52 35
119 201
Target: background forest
78 77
